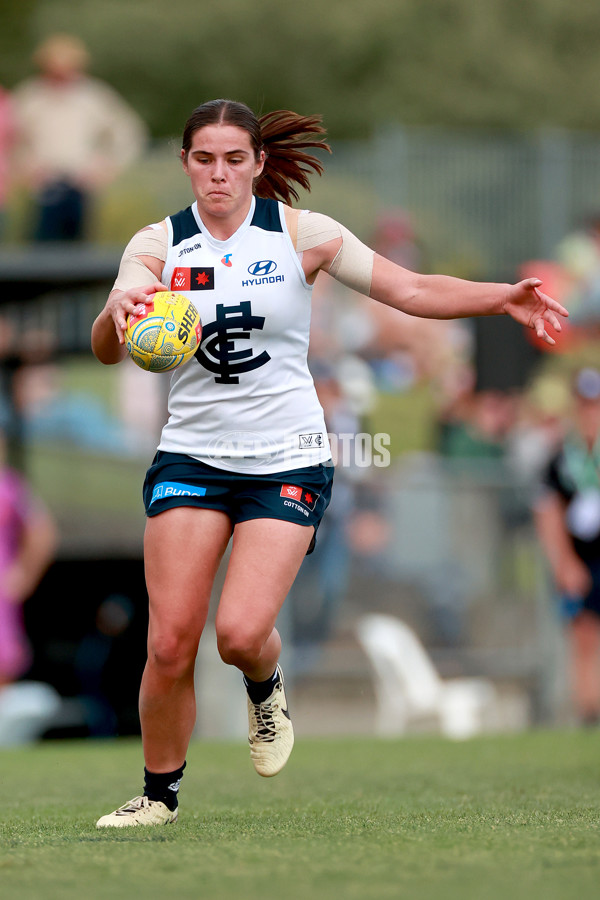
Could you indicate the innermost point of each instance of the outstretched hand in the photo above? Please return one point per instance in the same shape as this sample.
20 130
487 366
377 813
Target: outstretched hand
529 306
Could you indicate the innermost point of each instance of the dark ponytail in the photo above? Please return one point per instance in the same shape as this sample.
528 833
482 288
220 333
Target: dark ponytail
284 136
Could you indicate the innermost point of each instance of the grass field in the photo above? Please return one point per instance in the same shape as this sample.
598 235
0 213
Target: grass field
497 817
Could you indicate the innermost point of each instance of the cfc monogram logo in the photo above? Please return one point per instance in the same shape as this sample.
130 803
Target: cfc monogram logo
218 352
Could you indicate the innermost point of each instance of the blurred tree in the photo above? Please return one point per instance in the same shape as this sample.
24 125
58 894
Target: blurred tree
502 63
15 18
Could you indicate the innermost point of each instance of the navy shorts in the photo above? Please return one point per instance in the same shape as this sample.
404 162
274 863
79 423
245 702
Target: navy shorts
298 495
571 606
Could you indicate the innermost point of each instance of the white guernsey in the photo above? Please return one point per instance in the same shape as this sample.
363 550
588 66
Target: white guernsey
246 402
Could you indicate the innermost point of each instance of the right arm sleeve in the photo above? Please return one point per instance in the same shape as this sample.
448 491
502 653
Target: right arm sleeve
151 241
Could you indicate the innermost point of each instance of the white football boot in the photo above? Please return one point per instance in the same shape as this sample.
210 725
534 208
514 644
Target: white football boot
139 811
270 732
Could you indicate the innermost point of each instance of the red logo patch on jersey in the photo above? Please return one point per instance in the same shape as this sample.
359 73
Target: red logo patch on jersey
184 279
301 495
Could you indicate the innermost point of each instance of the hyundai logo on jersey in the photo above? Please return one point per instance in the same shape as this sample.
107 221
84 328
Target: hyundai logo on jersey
263 273
262 267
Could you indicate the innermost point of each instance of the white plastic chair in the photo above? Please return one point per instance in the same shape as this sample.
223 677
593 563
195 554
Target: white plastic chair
408 688
26 709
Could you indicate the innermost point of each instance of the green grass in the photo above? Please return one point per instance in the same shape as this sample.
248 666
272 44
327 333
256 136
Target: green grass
500 817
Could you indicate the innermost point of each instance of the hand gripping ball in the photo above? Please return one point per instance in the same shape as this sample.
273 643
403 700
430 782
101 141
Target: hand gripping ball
163 332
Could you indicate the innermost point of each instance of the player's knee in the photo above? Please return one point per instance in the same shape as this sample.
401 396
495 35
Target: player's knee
240 647
172 654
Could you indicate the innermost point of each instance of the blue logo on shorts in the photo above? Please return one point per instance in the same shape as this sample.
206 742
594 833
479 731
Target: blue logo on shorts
167 489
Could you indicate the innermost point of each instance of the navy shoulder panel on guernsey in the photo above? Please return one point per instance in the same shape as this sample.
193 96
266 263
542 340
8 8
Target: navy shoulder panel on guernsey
184 225
266 215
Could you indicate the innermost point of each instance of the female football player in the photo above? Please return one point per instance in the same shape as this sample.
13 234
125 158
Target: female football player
244 455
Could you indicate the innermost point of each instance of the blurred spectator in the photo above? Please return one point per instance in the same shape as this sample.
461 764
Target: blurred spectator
27 545
405 348
7 136
400 349
538 430
579 252
340 321
113 618
567 515
322 581
477 427
395 239
75 134
578 260
49 410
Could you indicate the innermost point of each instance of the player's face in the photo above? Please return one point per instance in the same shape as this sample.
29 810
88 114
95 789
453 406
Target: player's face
222 166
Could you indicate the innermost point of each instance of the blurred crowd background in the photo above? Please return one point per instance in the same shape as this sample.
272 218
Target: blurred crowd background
466 140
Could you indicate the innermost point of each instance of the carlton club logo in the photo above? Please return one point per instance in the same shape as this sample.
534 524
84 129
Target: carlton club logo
220 351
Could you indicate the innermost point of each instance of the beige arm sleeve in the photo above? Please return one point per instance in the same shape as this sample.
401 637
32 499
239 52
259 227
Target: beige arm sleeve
352 264
151 241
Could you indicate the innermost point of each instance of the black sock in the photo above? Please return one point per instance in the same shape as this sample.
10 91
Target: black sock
163 786
258 691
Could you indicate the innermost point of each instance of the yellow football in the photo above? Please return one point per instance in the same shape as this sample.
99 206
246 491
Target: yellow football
164 332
